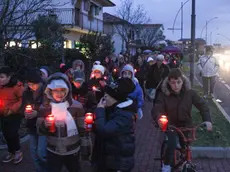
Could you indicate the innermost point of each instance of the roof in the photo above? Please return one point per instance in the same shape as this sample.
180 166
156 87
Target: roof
109 18
107 3
149 25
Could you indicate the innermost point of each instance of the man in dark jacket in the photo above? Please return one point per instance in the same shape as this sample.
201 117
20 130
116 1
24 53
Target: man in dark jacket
176 101
156 75
33 96
114 128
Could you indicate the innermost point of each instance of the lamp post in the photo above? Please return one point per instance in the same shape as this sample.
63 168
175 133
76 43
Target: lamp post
206 27
193 35
210 36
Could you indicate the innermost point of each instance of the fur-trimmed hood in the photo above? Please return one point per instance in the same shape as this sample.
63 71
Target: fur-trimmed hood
166 88
78 62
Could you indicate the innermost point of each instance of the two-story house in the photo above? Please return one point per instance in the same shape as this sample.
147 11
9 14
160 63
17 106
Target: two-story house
137 36
77 16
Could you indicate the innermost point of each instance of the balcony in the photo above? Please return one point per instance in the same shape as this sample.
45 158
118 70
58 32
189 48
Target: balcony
75 18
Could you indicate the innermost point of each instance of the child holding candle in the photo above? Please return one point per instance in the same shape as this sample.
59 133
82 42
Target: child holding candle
32 100
64 126
11 100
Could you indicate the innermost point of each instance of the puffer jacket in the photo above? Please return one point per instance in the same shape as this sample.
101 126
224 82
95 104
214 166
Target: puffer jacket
116 133
137 94
209 69
178 108
58 142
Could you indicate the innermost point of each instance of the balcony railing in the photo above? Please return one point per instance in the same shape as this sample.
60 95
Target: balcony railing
74 17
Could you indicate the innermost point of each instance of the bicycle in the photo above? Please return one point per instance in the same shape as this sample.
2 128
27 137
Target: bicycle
182 155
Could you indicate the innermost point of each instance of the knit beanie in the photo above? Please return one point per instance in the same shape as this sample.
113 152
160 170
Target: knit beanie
120 89
99 68
33 76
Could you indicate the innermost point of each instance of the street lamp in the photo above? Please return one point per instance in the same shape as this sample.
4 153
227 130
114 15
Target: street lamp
210 36
206 26
182 18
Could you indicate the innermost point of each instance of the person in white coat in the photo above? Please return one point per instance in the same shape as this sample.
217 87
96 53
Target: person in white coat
208 66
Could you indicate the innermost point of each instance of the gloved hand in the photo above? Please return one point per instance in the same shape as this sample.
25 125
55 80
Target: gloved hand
208 125
139 113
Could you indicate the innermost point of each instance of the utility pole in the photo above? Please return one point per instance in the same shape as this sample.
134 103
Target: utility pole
182 19
206 35
193 36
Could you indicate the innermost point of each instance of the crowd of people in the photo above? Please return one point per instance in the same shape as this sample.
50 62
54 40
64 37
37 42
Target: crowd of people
55 106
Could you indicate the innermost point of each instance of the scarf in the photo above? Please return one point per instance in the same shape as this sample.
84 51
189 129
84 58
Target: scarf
60 112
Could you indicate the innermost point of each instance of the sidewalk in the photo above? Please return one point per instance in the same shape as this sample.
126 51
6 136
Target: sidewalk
147 148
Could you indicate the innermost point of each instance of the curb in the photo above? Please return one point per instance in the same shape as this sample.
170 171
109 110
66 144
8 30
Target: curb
22 140
211 152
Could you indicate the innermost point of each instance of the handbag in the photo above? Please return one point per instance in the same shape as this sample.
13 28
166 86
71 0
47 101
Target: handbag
152 94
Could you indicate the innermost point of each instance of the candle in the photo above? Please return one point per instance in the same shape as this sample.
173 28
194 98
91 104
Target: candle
164 122
89 118
52 127
105 78
94 88
114 70
28 109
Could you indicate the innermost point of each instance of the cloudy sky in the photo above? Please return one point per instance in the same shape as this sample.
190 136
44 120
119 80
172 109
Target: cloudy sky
164 11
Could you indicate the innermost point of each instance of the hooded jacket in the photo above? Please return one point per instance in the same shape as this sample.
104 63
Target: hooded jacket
76 62
178 107
11 97
137 94
58 142
115 129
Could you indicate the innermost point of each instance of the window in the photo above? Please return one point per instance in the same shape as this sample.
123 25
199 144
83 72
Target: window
34 44
86 5
97 10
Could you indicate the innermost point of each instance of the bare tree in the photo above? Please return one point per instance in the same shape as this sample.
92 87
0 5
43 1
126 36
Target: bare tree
16 17
130 15
149 36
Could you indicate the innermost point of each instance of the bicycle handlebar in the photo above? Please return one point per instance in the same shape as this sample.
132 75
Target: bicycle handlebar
182 129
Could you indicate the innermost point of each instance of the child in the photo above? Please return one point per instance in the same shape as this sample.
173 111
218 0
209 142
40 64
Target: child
63 133
33 96
137 95
97 81
11 92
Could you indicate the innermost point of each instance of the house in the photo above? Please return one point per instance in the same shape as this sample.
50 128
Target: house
137 35
78 17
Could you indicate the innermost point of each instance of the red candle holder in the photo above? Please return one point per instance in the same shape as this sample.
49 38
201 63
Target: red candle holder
52 128
164 122
28 109
89 119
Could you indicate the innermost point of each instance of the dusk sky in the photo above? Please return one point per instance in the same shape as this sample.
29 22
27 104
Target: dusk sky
164 12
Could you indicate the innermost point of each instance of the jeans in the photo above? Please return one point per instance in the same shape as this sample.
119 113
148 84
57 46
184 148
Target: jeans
208 84
10 126
171 147
38 152
55 162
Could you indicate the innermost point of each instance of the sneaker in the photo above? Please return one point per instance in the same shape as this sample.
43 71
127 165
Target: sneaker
166 168
18 157
9 157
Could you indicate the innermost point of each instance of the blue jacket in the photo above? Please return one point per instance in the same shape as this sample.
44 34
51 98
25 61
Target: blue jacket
137 94
116 135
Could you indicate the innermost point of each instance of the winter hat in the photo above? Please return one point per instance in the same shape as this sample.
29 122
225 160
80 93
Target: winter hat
160 57
97 63
33 76
62 65
100 68
45 70
57 83
150 59
120 89
130 68
78 76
